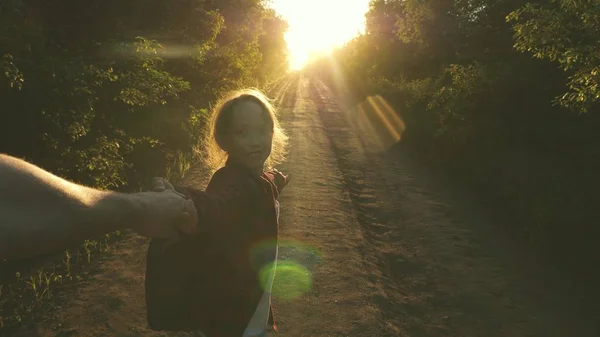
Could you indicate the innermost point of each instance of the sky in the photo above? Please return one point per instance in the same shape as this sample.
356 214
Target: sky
318 26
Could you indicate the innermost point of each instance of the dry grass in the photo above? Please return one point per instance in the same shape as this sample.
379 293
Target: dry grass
26 288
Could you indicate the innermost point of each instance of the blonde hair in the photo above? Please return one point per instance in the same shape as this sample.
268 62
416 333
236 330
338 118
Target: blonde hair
213 154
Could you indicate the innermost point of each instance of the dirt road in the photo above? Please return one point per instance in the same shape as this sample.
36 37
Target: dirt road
373 249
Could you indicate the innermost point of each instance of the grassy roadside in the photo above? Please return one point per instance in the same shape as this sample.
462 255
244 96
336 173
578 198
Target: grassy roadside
28 285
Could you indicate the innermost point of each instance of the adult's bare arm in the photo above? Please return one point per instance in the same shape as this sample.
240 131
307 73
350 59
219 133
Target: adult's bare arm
40 212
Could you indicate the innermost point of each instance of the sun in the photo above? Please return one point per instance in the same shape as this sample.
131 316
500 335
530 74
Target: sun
316 27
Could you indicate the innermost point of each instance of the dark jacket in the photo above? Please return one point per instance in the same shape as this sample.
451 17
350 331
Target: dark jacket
211 281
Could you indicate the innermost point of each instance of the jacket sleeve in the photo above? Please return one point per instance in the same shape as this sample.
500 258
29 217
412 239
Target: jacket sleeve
228 199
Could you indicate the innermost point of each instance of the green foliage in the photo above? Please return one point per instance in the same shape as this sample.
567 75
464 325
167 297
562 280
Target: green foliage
566 32
13 75
456 104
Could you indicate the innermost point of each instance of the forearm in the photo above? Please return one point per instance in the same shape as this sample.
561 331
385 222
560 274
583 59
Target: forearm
41 212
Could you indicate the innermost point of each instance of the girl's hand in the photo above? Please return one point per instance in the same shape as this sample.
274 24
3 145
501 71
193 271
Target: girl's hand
281 180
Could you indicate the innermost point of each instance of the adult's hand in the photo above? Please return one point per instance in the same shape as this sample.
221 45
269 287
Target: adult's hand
164 212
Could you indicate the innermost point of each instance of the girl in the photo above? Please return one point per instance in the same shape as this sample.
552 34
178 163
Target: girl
218 282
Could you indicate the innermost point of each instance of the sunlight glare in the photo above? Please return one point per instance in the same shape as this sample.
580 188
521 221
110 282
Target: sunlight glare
316 27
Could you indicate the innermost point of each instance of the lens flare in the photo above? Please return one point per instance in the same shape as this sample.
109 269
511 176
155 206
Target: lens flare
377 121
164 51
292 279
293 270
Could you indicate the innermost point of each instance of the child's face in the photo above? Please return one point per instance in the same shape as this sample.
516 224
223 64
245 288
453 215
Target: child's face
250 137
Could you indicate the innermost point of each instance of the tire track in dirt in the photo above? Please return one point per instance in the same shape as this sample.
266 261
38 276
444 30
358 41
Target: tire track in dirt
438 275
319 231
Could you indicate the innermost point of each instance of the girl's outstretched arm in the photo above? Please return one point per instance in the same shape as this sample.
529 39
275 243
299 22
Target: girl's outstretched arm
227 199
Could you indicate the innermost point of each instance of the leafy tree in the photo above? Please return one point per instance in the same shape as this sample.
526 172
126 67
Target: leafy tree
566 32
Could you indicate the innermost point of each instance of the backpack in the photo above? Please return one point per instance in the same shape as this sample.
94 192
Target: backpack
168 284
